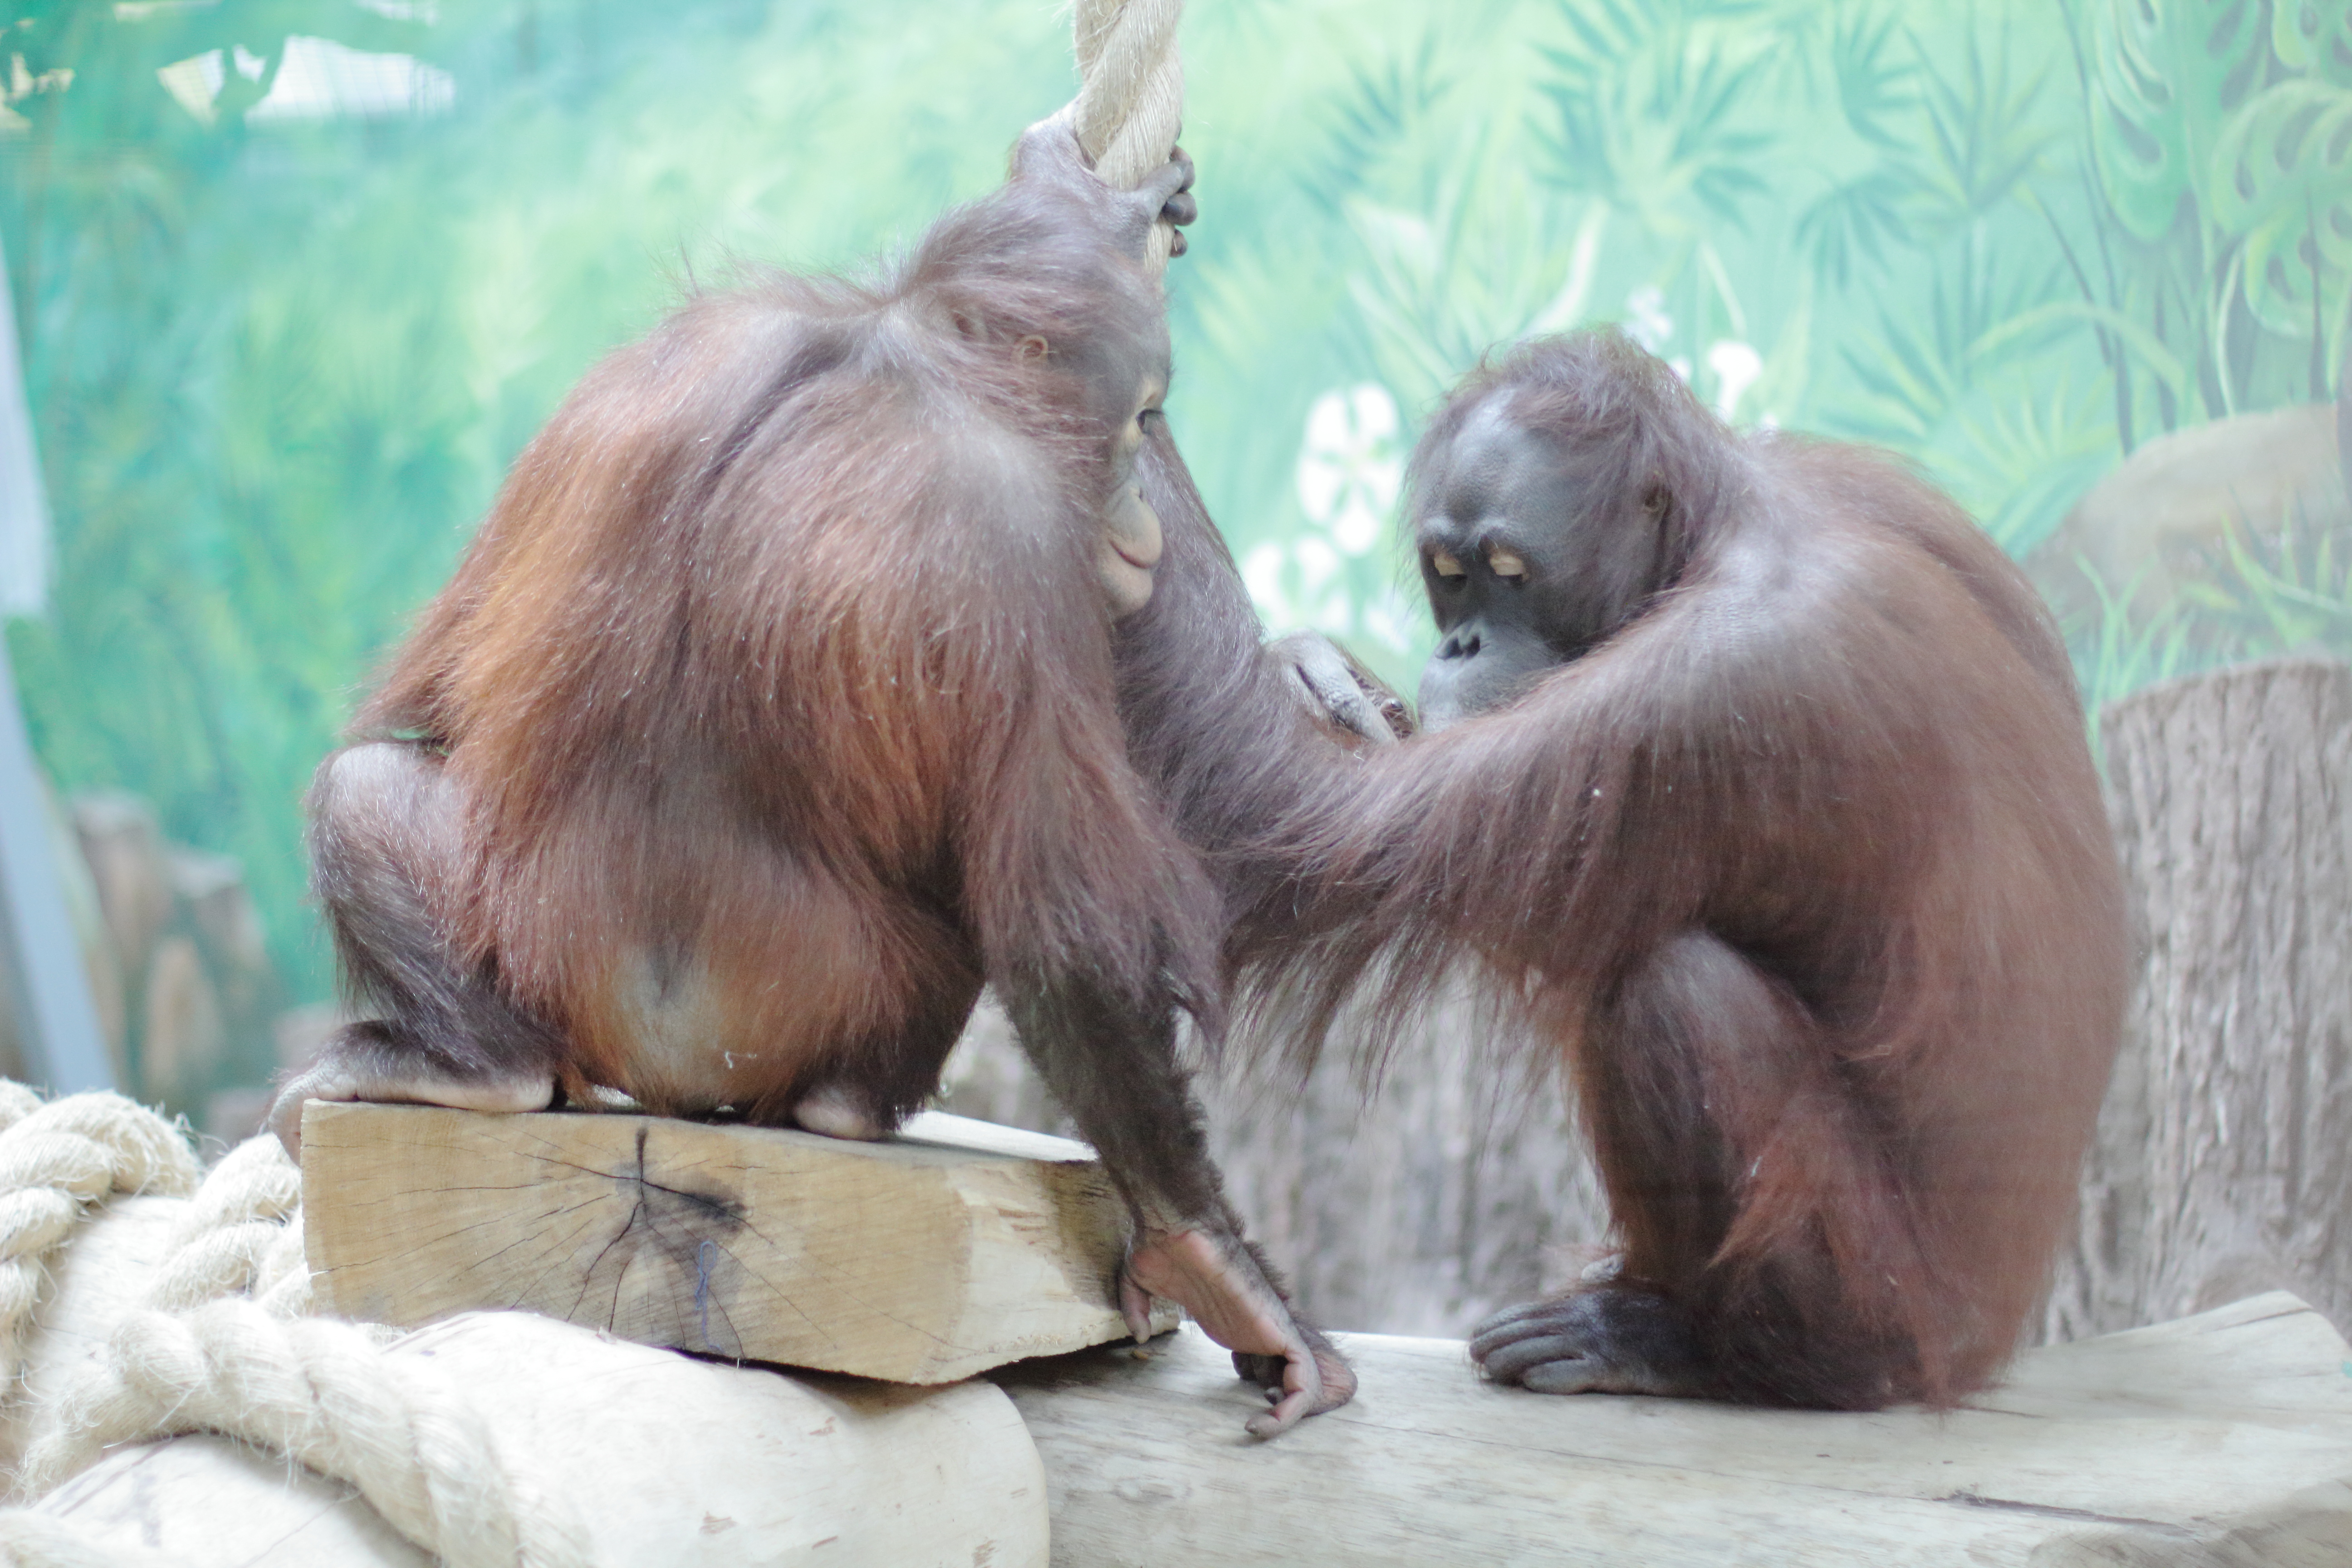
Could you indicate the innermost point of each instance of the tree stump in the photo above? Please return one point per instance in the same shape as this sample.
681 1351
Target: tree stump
2223 1162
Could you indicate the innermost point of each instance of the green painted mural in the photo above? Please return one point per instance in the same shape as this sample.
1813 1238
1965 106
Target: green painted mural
296 279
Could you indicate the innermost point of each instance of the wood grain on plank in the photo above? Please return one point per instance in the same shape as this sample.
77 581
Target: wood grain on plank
951 1249
2225 1438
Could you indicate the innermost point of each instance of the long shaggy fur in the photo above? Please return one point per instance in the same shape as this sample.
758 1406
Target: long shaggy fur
1840 744
778 673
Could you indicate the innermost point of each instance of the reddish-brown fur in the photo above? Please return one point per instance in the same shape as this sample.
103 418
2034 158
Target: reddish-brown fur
772 712
749 662
1801 872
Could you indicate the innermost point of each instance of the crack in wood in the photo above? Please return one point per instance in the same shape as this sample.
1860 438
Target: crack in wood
2051 1511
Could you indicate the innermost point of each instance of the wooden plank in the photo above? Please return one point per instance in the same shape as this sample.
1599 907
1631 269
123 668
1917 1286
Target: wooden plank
951 1249
2225 1438
641 1456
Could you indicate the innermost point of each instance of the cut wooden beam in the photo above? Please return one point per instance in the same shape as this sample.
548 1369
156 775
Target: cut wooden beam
2223 1439
955 1247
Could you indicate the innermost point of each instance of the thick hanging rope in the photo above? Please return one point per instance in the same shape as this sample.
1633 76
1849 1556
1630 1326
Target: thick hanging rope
1131 97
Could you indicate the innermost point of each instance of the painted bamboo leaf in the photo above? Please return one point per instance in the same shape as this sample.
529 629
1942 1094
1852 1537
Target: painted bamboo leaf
1858 220
1661 132
1874 89
1986 139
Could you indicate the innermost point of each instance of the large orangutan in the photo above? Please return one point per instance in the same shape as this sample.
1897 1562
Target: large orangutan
772 711
1759 789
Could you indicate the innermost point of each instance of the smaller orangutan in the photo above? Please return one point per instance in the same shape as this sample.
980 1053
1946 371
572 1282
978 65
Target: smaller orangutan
1755 784
772 711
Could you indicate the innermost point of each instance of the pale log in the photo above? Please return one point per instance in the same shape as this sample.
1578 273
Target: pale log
953 1248
2223 1439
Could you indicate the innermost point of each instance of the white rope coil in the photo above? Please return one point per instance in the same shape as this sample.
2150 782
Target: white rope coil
321 1394
16 1102
56 1161
29 1540
1130 99
242 1234
325 1395
239 1233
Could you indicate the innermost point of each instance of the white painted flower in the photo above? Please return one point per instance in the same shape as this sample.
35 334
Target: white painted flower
1350 470
1646 322
1322 596
1393 623
1262 576
1735 366
1301 583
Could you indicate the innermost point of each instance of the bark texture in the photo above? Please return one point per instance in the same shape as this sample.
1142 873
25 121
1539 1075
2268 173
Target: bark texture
2223 1164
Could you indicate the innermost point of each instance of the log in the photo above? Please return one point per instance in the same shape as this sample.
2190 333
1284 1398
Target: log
955 1247
2223 1439
645 1456
2222 1166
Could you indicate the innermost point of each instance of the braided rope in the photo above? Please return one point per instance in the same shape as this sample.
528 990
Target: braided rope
236 1234
56 1161
16 1102
29 1540
324 1395
1130 99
